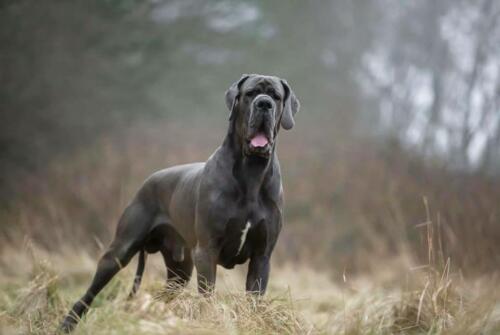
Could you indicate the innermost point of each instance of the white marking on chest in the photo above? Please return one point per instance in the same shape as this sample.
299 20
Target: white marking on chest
244 233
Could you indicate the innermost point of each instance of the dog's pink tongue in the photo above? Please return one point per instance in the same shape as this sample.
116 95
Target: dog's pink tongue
259 140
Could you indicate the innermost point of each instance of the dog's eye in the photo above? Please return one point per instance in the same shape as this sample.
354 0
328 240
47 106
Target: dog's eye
250 93
273 94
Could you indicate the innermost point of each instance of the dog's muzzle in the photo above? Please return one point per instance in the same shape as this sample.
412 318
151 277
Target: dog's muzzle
261 125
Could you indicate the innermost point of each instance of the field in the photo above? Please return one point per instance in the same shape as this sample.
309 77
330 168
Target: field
388 245
37 289
391 174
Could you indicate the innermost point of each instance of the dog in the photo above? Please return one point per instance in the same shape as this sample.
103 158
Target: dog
224 211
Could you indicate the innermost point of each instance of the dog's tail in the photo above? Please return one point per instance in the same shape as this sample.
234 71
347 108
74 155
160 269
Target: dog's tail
138 275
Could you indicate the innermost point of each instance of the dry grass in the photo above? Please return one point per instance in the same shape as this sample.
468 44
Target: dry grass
349 202
361 254
38 288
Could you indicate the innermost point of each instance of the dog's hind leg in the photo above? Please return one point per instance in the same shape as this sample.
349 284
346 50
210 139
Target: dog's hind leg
141 263
177 259
132 230
178 273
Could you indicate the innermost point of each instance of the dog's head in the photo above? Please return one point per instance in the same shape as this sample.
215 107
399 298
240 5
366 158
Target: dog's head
259 105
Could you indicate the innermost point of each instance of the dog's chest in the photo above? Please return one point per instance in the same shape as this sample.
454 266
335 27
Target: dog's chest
243 234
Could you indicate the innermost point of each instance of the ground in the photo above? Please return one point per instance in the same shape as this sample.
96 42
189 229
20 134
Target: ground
37 288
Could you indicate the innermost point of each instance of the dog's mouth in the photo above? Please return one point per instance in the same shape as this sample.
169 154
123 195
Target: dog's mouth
259 140
259 144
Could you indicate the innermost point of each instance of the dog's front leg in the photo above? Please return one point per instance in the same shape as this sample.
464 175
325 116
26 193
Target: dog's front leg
258 274
206 267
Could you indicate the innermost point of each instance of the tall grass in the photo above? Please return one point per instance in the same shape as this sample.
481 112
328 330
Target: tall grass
38 287
346 203
375 242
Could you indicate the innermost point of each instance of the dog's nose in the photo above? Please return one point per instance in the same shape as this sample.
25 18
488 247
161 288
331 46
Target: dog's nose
264 102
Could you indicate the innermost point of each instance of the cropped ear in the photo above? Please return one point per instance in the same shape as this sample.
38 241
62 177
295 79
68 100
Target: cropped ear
291 106
233 93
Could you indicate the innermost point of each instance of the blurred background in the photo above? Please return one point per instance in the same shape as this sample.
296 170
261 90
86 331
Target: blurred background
399 131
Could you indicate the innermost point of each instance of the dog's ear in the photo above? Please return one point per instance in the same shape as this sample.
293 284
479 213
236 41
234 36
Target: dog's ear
291 106
233 93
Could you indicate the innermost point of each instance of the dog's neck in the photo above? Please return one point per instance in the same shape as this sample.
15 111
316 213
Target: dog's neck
250 172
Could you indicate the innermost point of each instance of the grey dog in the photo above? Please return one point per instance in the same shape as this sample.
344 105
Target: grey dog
222 212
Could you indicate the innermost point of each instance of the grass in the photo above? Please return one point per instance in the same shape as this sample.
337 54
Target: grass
37 288
355 256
